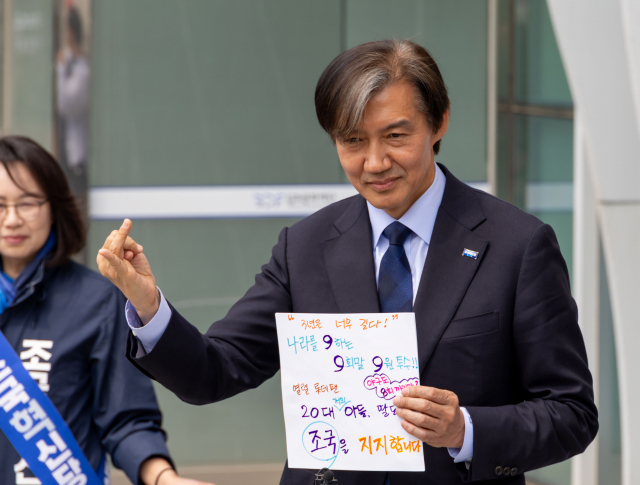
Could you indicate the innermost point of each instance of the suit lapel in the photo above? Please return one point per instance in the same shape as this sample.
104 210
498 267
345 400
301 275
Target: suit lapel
349 261
447 273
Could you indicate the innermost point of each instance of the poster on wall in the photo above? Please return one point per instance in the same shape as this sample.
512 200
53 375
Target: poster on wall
72 44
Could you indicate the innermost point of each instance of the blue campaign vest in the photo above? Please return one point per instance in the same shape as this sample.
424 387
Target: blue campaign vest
37 431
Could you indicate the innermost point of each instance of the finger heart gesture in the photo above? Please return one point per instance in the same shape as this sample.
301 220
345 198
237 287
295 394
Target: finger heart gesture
122 261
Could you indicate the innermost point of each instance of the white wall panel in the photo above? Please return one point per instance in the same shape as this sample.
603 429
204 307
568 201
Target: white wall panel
592 41
620 226
599 45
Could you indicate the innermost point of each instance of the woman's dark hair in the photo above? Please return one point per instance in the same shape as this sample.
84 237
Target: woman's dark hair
66 217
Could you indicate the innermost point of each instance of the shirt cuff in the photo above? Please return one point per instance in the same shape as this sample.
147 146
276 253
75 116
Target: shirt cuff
149 334
466 452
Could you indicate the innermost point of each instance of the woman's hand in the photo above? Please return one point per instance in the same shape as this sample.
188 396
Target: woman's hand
172 478
158 471
122 261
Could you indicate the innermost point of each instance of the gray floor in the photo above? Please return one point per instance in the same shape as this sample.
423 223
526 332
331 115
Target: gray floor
262 474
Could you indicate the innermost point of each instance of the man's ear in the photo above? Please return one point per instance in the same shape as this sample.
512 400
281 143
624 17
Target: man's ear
437 136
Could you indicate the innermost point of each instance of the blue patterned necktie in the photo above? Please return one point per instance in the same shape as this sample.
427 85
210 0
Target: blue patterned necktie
395 288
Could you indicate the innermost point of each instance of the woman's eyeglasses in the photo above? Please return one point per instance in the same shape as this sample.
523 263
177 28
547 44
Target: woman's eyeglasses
27 210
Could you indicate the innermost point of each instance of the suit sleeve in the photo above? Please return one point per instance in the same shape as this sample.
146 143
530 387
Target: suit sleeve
125 410
237 353
557 417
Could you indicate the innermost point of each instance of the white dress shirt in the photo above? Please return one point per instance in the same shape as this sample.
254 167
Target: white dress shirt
420 218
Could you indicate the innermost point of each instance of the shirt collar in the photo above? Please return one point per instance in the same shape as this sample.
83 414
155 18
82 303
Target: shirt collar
420 217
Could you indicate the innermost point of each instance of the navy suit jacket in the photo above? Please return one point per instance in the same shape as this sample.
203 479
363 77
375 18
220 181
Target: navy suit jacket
500 331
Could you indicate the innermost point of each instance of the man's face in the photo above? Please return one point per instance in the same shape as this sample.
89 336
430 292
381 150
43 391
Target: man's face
389 160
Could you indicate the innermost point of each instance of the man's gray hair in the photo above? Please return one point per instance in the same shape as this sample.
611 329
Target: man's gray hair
355 76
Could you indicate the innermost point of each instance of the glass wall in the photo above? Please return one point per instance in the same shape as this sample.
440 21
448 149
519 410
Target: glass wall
535 172
455 32
535 119
210 92
535 135
27 84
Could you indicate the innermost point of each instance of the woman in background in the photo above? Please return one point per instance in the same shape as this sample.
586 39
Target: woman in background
59 318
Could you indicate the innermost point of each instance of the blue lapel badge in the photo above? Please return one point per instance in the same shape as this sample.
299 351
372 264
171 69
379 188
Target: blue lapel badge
470 254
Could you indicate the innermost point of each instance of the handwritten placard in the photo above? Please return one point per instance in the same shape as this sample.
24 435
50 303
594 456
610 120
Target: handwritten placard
340 373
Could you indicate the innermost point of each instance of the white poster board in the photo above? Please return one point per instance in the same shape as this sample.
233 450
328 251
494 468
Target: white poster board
340 373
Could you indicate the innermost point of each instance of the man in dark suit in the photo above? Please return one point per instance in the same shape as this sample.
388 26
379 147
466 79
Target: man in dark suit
505 383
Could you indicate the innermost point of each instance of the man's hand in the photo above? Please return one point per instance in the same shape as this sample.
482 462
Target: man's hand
154 472
122 261
431 415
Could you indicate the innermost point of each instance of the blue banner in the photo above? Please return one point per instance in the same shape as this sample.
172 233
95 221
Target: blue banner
36 429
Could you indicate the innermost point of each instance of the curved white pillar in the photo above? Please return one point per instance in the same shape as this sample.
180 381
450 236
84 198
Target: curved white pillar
599 42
